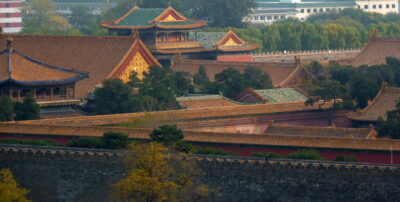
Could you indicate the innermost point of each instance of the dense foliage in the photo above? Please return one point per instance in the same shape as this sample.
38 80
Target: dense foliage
349 28
305 154
9 190
302 154
353 85
109 140
168 135
231 82
163 85
390 127
48 143
156 174
27 110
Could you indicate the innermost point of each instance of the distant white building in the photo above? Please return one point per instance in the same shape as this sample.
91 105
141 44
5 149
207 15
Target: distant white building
64 7
11 15
269 11
379 6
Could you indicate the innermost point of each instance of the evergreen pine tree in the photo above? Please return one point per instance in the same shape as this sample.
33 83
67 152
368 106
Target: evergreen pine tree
6 108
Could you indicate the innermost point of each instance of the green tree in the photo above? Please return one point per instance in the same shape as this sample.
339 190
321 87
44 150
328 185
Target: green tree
155 175
81 16
40 19
115 140
223 13
331 89
115 97
201 78
390 127
27 110
167 134
256 78
164 85
109 140
362 90
123 6
230 82
6 108
9 190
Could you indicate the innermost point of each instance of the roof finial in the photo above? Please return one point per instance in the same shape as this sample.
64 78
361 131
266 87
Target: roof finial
134 33
9 43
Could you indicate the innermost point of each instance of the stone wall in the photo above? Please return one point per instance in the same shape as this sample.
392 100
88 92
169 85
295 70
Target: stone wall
86 175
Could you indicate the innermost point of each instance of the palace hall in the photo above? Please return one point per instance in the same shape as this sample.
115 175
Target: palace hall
166 32
21 75
97 58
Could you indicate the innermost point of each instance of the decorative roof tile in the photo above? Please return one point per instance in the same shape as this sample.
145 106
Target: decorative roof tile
376 51
17 68
100 56
282 95
384 101
147 18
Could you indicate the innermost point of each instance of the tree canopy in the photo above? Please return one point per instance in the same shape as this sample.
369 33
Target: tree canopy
231 82
390 127
115 97
9 190
6 108
155 175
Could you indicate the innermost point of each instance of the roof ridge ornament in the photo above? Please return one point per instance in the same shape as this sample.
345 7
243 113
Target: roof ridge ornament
10 43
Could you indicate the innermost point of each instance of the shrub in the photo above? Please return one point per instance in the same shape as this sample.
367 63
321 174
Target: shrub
346 158
305 154
86 142
267 155
115 140
110 140
167 134
182 146
48 143
212 151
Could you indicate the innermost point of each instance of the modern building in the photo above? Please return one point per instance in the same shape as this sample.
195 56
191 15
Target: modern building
379 6
64 7
269 11
11 15
166 32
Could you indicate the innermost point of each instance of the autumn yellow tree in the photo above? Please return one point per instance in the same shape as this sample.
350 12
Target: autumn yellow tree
155 174
9 191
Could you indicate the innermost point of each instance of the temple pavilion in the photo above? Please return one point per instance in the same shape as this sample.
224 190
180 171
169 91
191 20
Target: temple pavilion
21 75
166 32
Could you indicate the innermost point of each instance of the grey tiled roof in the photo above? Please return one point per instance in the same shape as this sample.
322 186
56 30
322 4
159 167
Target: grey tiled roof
208 39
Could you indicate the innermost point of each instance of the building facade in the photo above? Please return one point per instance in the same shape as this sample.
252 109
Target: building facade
167 33
379 6
11 15
269 11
